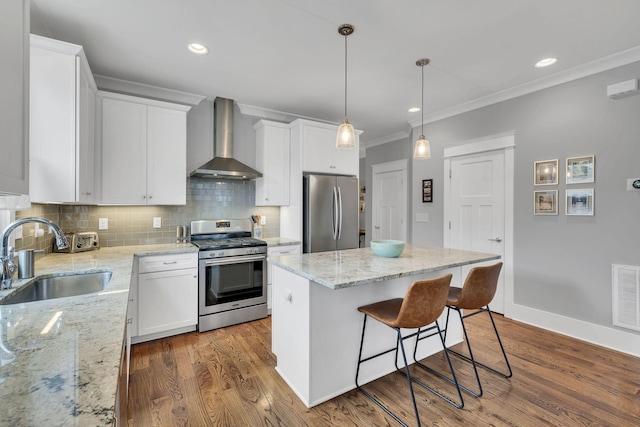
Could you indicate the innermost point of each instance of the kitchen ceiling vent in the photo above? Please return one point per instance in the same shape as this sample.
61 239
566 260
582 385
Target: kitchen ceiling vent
626 296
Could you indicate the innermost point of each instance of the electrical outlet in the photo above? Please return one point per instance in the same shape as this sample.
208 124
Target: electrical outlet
263 220
103 223
157 222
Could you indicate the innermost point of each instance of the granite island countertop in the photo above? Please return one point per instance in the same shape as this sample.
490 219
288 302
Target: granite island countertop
354 267
68 374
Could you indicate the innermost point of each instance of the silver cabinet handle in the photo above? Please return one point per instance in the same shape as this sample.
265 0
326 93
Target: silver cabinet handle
377 227
497 239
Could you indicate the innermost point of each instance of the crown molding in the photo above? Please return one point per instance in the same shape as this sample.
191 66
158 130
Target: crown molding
599 65
140 89
391 138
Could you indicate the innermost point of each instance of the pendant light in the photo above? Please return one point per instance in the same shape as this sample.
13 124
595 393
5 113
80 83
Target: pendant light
346 137
423 148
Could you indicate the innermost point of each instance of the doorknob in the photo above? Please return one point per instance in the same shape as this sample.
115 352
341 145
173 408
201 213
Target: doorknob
497 239
377 227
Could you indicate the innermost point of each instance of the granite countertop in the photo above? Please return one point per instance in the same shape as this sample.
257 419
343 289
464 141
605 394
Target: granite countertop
354 267
280 241
68 375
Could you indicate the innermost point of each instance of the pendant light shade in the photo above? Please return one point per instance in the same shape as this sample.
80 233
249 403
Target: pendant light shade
422 148
346 137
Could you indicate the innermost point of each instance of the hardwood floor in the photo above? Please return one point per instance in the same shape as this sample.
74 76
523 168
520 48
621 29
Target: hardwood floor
226 377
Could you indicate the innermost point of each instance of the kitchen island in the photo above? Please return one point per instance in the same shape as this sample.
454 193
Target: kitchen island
60 358
316 327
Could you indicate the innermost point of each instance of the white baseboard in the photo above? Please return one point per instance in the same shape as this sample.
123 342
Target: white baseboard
615 339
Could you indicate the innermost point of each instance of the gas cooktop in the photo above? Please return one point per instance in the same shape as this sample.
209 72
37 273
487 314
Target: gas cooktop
217 234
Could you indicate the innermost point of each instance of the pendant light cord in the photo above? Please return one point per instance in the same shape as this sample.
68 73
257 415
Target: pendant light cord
422 103
345 75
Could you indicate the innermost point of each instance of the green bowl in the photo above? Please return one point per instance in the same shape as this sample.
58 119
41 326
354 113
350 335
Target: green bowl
387 248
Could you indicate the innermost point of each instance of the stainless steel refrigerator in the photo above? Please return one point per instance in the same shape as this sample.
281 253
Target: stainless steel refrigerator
330 213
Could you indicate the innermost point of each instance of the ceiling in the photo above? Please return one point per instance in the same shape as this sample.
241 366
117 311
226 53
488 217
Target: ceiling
287 55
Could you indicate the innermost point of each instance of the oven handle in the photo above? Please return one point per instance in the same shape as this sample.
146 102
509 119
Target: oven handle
233 260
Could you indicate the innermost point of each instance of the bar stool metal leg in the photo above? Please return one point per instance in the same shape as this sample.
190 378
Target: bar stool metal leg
408 375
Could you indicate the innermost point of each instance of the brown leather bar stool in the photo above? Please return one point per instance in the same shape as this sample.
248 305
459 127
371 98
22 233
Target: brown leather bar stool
423 303
477 292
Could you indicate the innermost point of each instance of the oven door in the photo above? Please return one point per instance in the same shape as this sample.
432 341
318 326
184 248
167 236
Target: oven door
230 283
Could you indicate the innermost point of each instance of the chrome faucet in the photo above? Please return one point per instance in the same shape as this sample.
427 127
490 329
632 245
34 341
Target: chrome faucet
7 252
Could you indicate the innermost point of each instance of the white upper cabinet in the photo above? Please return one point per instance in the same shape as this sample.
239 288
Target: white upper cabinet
319 152
14 98
272 159
144 149
62 123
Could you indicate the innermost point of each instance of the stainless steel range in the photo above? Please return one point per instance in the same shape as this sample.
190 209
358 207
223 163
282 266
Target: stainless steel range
232 273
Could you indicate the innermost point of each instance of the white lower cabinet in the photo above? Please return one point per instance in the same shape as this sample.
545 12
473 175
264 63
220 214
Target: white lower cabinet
277 251
166 296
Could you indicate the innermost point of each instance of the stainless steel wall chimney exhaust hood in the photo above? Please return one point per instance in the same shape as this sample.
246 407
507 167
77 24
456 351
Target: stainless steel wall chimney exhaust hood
223 165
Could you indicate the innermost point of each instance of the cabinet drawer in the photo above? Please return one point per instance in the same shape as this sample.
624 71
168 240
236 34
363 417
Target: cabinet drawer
283 250
167 262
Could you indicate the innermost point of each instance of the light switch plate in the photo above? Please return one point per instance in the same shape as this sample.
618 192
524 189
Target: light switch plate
422 217
263 220
157 222
103 223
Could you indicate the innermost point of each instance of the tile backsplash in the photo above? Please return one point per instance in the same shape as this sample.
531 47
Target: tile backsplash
133 225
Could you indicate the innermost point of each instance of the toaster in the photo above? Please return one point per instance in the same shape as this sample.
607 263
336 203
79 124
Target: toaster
80 242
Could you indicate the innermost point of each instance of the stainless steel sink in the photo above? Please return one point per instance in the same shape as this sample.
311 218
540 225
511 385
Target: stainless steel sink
48 287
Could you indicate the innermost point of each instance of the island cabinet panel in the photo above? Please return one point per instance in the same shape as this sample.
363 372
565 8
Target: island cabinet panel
165 296
14 102
316 333
62 123
273 160
143 151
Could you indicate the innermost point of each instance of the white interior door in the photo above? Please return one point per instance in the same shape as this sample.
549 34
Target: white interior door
477 206
389 200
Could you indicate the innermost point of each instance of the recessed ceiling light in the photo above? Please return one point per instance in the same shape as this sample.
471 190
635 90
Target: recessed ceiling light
414 109
198 49
546 62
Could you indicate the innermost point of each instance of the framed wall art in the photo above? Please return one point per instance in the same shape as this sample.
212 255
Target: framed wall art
427 188
545 202
580 169
545 172
580 202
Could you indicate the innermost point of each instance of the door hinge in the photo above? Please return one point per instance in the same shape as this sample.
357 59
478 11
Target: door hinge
449 173
449 225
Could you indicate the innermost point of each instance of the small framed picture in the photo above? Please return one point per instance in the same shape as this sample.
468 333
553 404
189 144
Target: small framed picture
580 169
427 188
545 172
580 202
545 202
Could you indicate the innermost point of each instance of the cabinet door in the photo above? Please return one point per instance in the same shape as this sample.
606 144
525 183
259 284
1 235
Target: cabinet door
124 154
85 126
166 156
272 157
317 151
277 251
14 101
167 300
346 162
52 126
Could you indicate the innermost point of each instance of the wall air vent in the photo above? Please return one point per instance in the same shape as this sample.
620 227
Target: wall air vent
622 89
626 296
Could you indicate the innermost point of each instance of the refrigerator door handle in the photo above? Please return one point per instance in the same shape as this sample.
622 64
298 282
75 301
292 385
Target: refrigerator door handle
339 213
335 214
